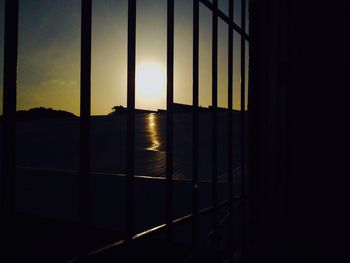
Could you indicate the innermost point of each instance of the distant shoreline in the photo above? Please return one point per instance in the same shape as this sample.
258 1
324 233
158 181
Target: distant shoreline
41 113
49 113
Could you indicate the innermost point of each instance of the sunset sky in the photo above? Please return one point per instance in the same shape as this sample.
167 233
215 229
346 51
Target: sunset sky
49 53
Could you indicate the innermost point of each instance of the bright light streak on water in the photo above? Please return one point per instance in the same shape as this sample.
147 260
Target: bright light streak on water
153 132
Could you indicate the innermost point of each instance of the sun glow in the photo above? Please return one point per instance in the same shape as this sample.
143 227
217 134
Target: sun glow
150 83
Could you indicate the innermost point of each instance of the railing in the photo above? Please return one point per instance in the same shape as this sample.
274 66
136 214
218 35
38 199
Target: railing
10 79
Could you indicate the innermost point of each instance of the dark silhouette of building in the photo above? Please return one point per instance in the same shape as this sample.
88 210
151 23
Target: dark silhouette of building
122 110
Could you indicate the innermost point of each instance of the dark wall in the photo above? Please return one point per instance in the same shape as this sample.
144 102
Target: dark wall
297 120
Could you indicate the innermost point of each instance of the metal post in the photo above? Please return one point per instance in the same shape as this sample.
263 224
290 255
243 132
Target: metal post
9 124
169 123
85 109
195 125
243 136
230 130
129 220
215 123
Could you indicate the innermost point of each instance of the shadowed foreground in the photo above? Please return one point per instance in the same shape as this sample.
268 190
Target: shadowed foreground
57 241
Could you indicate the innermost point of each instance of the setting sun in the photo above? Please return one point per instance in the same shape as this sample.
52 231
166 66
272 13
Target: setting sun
150 83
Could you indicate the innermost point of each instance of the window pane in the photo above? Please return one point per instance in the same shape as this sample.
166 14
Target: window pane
205 100
247 16
205 56
151 55
109 55
183 52
236 116
222 147
237 11
150 127
222 64
223 6
236 71
183 88
246 73
47 148
108 122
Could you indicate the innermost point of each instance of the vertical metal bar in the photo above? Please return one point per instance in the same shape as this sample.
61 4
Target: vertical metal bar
129 220
85 108
215 123
169 126
195 126
9 121
230 129
243 150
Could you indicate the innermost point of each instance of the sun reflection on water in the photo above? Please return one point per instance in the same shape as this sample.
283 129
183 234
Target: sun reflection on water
152 128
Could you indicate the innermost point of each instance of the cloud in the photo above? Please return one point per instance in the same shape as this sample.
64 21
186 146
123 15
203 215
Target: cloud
53 83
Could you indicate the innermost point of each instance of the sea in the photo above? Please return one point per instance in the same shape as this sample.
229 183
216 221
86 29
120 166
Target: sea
53 144
47 168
